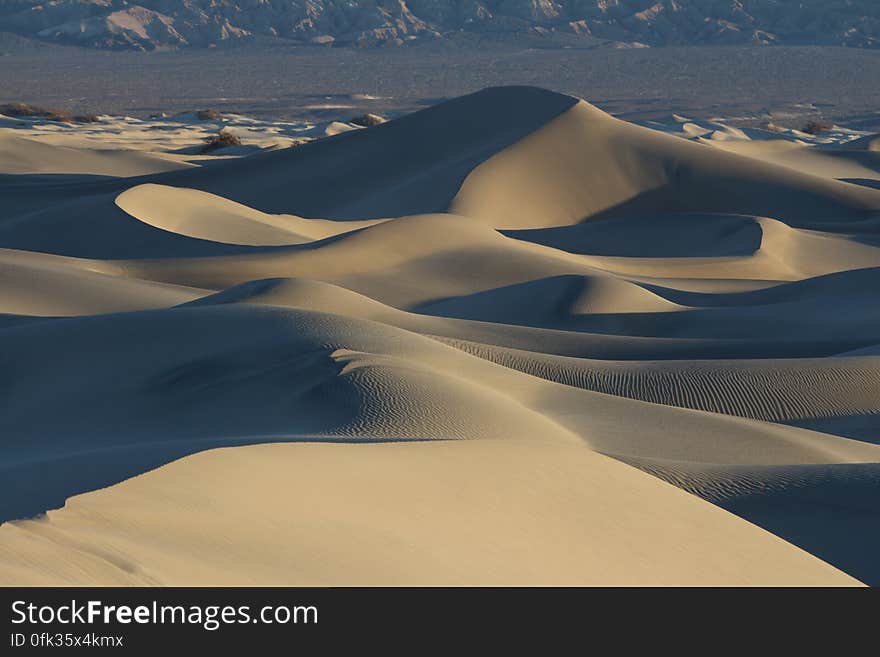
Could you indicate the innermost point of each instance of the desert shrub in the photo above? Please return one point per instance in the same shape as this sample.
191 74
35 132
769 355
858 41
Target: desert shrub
772 127
208 115
24 110
222 139
817 127
368 120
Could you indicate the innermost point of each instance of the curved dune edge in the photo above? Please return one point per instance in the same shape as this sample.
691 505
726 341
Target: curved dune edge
450 513
198 214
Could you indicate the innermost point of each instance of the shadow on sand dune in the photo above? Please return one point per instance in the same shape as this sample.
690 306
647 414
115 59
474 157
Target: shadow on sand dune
829 510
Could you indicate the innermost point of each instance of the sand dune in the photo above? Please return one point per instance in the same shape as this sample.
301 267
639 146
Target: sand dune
26 156
641 171
46 285
508 339
841 161
488 523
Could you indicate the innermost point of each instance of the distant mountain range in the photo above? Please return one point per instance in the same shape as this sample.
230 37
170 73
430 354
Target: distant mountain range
170 24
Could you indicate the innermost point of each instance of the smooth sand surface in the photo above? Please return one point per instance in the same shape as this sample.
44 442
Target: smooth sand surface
480 513
509 339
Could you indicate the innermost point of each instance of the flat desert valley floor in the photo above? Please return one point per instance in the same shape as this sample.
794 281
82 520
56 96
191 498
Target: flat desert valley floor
785 84
507 339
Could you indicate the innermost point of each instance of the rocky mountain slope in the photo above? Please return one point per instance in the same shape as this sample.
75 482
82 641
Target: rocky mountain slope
168 24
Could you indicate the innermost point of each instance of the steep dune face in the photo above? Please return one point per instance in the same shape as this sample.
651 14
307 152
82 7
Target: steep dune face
623 169
477 335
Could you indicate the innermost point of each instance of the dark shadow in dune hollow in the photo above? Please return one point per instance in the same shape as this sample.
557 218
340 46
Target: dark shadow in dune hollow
834 516
689 191
864 427
831 511
659 236
864 182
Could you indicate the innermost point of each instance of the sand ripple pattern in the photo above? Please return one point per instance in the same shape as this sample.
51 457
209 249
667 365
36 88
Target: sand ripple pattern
774 391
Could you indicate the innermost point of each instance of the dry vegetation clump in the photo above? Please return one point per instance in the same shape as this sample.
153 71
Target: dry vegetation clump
817 127
368 120
222 139
208 115
24 110
772 127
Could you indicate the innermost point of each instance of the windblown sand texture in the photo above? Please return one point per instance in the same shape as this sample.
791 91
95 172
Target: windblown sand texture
509 339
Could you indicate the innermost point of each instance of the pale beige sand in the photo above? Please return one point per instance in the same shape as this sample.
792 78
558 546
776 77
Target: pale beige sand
474 345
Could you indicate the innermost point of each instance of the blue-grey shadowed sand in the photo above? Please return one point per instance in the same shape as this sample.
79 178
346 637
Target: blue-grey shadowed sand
828 510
